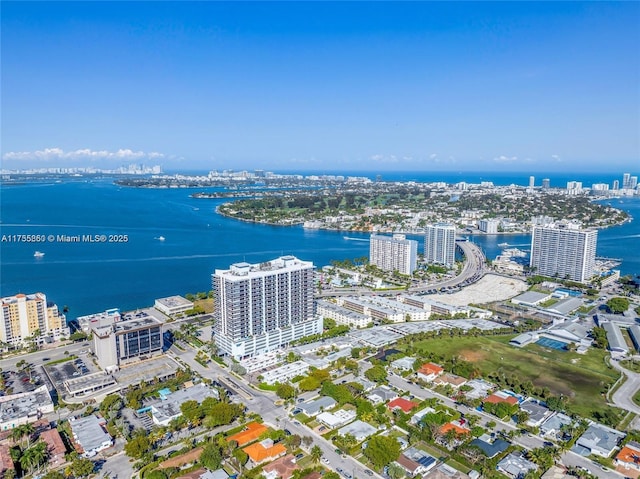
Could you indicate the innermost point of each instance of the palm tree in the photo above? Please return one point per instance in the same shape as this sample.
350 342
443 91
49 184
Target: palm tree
316 453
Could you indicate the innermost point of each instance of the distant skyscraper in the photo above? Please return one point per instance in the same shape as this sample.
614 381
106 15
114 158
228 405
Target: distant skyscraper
532 181
625 180
633 182
546 183
616 185
393 253
440 244
574 187
564 250
262 307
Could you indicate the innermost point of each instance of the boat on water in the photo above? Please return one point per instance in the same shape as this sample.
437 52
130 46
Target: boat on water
160 238
503 245
38 254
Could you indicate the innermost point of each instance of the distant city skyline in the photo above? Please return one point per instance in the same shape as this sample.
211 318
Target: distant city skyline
480 86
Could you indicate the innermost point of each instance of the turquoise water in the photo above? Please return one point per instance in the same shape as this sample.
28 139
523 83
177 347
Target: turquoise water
91 277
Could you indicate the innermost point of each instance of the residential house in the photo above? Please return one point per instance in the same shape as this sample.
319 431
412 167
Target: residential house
516 466
501 396
403 404
537 412
429 371
449 379
90 435
419 456
313 408
6 463
251 432
280 468
55 447
202 473
490 446
403 364
552 426
358 429
599 440
336 419
629 458
264 450
382 395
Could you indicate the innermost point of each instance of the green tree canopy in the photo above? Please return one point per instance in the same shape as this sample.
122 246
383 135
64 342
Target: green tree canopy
286 391
381 450
618 305
376 374
138 445
211 457
82 467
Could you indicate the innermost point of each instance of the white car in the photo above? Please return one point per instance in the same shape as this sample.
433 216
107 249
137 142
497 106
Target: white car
325 460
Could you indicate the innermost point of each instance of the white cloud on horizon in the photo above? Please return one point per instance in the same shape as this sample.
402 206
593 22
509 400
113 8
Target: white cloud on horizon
53 154
505 159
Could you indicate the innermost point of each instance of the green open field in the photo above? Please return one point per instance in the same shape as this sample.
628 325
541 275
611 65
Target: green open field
580 378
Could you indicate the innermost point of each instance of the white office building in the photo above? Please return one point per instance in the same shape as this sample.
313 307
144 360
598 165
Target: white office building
395 253
263 307
440 244
564 250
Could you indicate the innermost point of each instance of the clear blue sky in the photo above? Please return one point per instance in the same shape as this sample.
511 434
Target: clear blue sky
322 86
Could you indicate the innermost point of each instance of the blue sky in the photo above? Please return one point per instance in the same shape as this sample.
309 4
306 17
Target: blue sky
322 86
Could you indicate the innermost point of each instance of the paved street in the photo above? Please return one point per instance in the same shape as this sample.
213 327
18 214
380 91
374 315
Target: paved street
623 397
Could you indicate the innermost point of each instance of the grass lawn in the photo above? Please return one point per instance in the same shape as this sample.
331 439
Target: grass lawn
631 365
580 378
636 398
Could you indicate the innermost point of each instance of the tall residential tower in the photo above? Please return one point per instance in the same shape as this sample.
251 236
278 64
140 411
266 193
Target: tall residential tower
393 253
564 250
440 244
262 307
26 315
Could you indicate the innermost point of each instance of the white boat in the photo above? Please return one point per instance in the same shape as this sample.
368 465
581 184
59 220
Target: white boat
38 254
503 245
160 238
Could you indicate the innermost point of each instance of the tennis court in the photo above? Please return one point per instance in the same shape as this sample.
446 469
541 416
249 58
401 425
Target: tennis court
552 343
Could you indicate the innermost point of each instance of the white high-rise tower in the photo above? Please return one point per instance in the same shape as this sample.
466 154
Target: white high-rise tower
440 244
262 307
395 253
564 250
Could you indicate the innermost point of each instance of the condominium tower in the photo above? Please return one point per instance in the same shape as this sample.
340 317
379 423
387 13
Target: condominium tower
564 250
24 315
262 307
393 253
440 244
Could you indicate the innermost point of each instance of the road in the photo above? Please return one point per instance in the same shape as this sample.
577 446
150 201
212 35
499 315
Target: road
474 269
623 397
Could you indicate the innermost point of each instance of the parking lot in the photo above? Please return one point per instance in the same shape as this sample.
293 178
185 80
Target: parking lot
72 369
23 381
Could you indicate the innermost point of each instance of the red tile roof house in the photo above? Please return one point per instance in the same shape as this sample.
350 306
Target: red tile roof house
628 460
6 463
403 404
55 447
499 397
281 468
429 371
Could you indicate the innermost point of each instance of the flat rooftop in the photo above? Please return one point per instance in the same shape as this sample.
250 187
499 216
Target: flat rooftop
174 301
147 370
16 406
